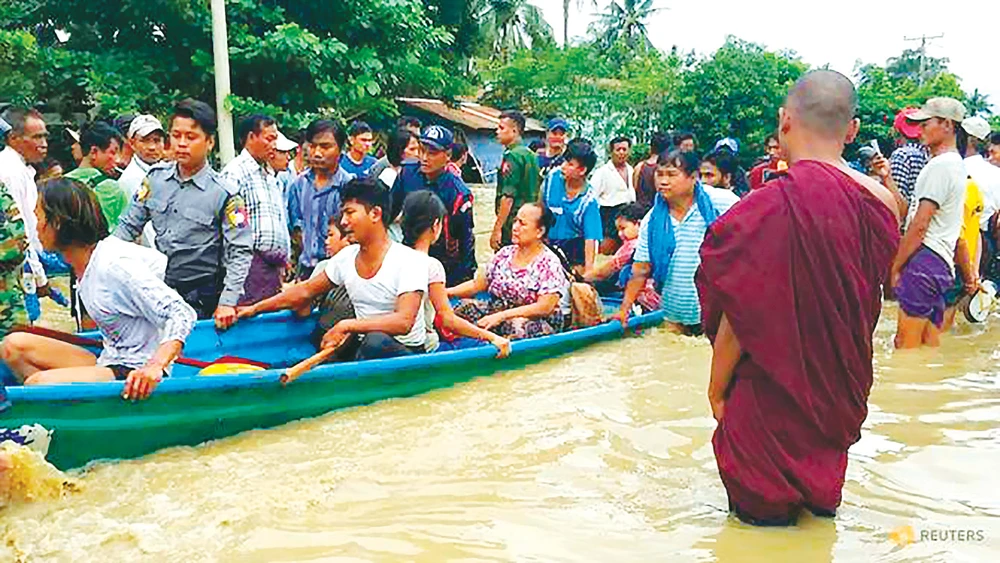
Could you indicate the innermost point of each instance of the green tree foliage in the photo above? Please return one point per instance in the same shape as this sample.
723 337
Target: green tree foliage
603 93
508 26
736 92
979 104
625 21
908 65
881 95
292 58
19 54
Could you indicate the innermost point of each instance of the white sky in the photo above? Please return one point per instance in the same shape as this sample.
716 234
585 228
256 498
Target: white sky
838 32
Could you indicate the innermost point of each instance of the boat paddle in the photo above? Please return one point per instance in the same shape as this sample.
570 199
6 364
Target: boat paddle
307 364
83 341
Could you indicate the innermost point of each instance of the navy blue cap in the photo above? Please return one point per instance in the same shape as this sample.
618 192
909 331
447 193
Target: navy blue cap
558 123
437 137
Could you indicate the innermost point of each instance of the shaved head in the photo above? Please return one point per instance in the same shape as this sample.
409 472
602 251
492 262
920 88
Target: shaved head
824 102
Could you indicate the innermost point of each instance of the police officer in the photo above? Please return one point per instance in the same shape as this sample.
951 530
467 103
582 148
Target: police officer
201 223
456 248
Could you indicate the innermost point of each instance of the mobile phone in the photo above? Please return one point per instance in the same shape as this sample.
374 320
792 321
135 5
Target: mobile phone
769 174
874 145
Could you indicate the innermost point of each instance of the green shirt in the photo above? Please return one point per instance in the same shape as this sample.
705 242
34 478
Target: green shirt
110 195
517 179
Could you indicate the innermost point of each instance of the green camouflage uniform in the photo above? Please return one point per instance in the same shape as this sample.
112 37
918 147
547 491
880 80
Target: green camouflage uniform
13 244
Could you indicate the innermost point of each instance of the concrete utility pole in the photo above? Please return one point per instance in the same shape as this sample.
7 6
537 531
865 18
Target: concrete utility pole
923 39
220 51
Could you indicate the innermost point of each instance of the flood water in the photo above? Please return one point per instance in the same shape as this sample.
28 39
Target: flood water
604 455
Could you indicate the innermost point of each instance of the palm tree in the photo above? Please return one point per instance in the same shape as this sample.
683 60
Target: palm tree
625 20
508 25
579 6
979 104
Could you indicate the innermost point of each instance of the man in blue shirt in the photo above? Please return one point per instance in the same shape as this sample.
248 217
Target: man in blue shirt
566 192
554 153
314 196
670 237
456 248
356 160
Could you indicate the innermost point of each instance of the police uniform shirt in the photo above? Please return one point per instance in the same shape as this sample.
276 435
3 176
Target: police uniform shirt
456 249
201 226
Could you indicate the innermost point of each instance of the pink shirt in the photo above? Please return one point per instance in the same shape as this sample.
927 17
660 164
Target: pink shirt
648 297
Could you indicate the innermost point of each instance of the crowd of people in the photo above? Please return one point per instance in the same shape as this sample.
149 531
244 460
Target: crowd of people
783 266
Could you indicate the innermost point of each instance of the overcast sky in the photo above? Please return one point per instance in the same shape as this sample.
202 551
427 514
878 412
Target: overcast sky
839 32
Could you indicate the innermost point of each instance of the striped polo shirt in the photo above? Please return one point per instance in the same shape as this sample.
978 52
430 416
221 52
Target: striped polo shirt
680 296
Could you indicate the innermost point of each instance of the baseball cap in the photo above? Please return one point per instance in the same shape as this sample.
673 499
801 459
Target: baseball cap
943 108
977 127
729 143
906 128
284 144
557 123
143 125
4 127
437 137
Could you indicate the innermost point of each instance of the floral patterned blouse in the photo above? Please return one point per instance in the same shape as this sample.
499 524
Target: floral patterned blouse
519 286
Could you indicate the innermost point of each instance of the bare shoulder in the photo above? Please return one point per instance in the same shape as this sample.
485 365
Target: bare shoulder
876 189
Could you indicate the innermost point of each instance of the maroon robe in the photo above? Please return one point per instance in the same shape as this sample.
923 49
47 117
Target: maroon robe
797 270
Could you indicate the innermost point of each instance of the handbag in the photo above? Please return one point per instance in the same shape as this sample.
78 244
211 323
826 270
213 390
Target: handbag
586 305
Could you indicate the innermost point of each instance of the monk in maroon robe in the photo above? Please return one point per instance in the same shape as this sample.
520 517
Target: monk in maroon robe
790 293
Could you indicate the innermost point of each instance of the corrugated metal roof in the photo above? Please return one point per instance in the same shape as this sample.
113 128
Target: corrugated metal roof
469 114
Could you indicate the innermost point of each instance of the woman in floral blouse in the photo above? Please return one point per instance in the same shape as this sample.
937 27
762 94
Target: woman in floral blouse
526 282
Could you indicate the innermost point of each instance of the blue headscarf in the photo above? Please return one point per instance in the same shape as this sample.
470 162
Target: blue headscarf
661 235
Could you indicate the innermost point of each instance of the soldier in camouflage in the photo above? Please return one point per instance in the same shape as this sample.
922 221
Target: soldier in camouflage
13 245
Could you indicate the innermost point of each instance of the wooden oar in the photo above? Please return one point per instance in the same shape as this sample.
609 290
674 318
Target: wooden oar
307 364
83 341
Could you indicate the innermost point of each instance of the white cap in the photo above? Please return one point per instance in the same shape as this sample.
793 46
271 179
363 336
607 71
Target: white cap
75 135
143 125
977 127
284 144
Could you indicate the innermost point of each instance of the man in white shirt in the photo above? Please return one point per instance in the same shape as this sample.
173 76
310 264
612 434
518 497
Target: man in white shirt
27 144
382 278
924 268
613 191
985 175
146 136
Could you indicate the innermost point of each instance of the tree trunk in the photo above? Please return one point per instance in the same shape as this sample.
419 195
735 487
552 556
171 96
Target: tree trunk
565 23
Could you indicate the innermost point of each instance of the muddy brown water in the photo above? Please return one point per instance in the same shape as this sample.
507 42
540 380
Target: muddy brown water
604 455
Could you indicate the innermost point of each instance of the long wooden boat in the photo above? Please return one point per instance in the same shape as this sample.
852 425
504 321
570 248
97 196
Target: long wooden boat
84 422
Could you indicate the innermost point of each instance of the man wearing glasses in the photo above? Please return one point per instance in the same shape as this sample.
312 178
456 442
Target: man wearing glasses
27 144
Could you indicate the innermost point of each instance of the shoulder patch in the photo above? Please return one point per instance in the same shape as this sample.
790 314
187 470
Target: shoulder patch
236 212
505 168
144 189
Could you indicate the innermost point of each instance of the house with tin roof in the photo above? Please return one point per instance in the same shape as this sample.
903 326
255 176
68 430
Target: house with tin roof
473 124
